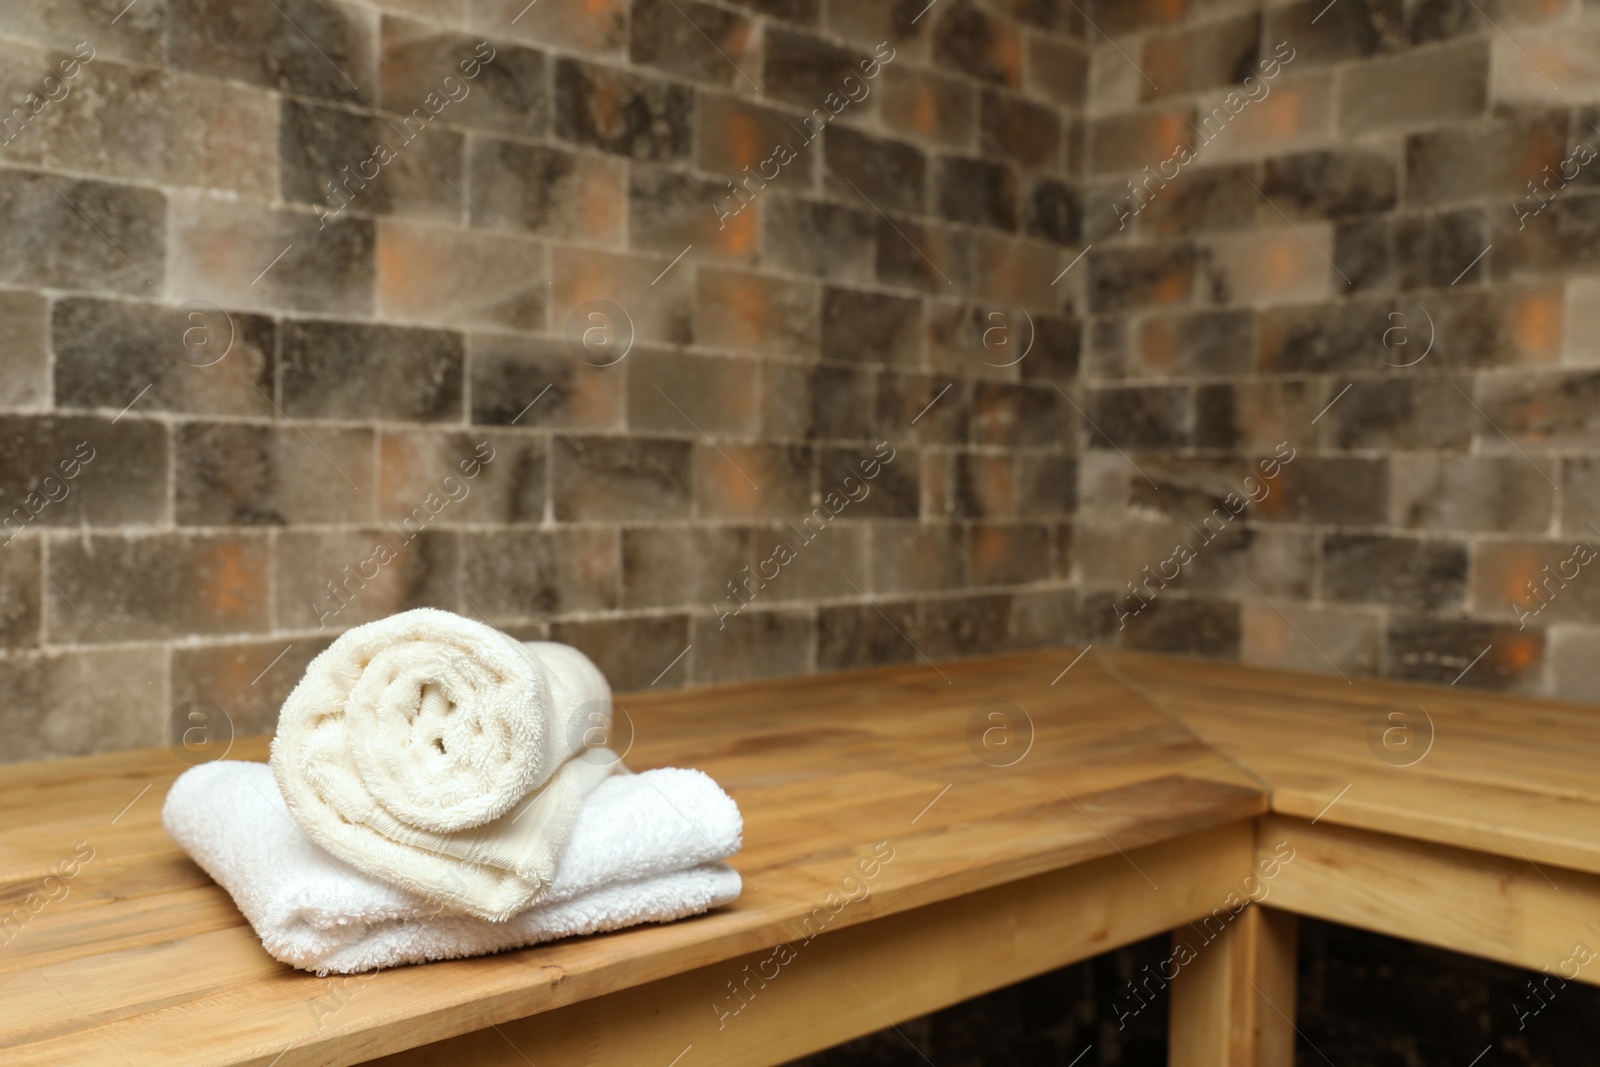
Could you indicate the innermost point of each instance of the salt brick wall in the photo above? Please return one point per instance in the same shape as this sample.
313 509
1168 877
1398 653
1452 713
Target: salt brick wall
177 195
1284 286
177 198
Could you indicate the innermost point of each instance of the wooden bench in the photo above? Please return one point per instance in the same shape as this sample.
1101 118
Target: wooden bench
1474 825
1137 803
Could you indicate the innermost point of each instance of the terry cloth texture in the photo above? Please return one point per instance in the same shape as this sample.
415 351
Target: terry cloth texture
436 753
644 848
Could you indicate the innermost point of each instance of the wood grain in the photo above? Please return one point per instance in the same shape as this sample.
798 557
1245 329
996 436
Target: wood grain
1233 1005
875 974
1482 905
144 960
1505 775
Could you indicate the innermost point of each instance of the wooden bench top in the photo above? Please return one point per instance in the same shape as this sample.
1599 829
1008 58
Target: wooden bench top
1487 772
145 960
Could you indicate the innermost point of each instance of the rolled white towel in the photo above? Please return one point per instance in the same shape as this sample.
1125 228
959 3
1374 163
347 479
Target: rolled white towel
441 755
644 848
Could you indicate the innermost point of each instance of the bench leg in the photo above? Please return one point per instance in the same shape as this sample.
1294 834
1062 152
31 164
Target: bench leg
1233 1002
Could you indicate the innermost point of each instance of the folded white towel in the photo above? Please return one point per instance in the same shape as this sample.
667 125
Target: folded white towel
436 753
644 849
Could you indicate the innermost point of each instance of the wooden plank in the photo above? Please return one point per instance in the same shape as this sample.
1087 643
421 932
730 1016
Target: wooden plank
842 985
1481 905
1304 704
1507 775
1233 1003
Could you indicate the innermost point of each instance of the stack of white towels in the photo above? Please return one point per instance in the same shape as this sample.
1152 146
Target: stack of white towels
436 791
